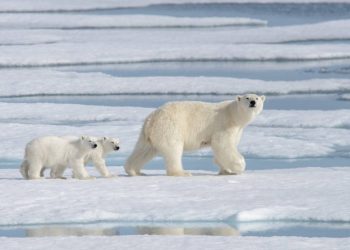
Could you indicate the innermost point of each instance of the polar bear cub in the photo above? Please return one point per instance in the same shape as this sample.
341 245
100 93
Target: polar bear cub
186 126
56 153
105 145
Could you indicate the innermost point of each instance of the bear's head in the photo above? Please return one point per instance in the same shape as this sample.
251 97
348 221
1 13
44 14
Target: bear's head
110 144
88 142
251 103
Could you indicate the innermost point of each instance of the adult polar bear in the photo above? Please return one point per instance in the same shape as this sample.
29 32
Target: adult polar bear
185 126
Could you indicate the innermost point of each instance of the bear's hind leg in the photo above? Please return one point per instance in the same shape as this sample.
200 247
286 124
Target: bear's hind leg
57 172
24 169
143 153
34 169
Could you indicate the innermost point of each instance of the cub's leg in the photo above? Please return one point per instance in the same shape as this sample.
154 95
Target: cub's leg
79 170
57 172
100 165
34 168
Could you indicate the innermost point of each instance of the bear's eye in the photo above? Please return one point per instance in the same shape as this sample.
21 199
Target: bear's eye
256 99
247 98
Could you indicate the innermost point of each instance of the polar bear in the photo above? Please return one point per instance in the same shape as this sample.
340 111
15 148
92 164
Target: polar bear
57 153
105 145
186 126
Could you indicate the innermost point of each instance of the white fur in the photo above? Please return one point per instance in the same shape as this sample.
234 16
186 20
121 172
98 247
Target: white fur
56 153
185 126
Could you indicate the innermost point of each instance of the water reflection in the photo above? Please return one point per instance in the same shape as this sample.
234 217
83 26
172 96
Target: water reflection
90 230
51 231
260 229
214 231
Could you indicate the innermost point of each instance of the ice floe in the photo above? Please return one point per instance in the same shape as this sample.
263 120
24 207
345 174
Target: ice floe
66 21
51 82
65 54
266 195
323 31
176 243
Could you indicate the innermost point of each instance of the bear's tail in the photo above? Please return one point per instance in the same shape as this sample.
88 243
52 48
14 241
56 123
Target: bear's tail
142 153
24 169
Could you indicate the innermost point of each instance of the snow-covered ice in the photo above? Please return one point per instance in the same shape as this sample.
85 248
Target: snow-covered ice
64 54
66 21
345 96
51 82
176 243
253 196
323 31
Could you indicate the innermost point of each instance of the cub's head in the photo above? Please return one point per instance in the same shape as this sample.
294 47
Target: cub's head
88 142
110 143
251 103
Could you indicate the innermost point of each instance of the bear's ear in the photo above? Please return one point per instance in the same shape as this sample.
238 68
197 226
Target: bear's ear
239 98
83 137
263 98
105 138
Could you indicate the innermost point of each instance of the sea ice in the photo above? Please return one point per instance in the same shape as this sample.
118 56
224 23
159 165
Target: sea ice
52 82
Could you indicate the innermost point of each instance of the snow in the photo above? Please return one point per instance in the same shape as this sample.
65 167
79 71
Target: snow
175 243
253 196
51 82
345 97
323 31
66 21
13 37
66 5
92 46
64 54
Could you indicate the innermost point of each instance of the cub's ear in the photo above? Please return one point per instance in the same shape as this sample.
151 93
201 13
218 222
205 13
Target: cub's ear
239 98
83 137
105 138
263 98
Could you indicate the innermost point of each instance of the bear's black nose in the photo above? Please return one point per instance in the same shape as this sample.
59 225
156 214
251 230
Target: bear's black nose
94 145
117 148
252 103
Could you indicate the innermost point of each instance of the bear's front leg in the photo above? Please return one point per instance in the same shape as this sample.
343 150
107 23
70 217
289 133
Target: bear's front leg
79 170
226 156
100 165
